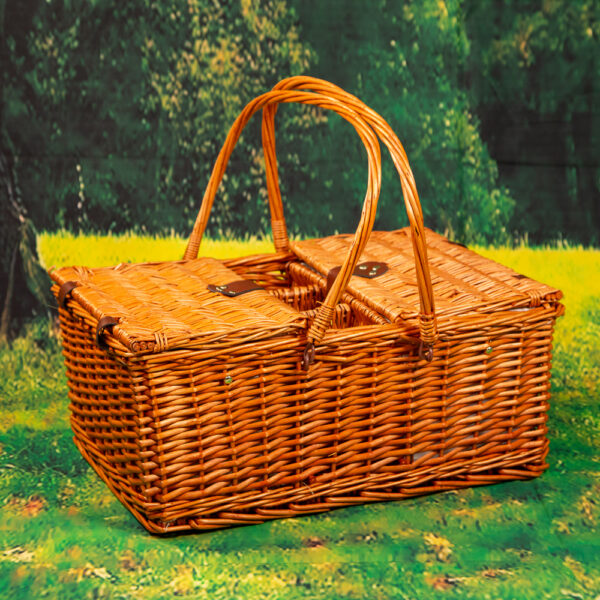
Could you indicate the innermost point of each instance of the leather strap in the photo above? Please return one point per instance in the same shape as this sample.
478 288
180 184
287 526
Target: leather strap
103 324
65 289
235 288
369 270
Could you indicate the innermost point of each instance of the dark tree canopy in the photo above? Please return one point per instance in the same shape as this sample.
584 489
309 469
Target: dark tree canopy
534 79
115 112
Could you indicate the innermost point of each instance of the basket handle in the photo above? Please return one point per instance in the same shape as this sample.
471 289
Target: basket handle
427 319
325 312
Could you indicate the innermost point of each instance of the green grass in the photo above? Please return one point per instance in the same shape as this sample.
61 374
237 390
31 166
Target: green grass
65 248
62 533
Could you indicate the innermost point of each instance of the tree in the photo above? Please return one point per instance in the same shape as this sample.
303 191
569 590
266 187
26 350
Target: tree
24 285
205 61
533 77
118 109
406 60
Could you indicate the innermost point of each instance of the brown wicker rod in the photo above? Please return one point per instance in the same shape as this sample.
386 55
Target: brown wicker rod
428 327
325 313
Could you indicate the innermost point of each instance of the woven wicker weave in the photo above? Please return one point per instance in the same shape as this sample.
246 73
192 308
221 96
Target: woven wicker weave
316 390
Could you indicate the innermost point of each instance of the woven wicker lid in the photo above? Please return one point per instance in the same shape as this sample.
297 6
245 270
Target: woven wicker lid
160 306
463 281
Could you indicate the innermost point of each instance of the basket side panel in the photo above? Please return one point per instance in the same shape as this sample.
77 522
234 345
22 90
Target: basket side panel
226 428
244 435
488 403
198 439
105 413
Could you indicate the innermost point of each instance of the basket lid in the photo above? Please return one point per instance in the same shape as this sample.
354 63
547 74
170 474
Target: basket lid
463 281
166 305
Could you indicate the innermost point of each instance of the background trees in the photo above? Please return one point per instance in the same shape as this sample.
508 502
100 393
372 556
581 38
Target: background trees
117 109
407 61
112 113
533 77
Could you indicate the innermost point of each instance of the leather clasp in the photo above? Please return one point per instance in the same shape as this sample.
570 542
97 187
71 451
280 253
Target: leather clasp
369 270
308 356
235 288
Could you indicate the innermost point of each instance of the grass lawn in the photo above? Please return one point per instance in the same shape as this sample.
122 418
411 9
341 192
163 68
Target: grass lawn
63 534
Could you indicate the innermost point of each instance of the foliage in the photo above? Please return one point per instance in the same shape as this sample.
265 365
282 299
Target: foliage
534 69
232 52
117 110
406 63
65 535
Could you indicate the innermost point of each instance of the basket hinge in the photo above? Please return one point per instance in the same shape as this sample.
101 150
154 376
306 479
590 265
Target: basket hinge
104 323
65 289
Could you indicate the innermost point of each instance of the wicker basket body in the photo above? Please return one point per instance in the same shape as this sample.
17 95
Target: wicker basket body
201 410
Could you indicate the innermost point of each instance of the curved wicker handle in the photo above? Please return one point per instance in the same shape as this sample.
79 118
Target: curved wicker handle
325 311
427 319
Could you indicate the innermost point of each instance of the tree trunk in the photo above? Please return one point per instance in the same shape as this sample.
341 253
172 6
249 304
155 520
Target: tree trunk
24 284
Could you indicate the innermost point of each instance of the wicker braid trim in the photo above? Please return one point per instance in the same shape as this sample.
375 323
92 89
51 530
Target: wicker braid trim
280 235
428 329
536 297
321 323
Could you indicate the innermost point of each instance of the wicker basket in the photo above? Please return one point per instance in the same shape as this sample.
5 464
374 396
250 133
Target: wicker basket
212 393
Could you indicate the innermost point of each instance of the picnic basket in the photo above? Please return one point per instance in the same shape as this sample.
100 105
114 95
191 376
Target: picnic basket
336 371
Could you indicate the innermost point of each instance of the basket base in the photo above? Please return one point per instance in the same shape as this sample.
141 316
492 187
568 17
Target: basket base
511 466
